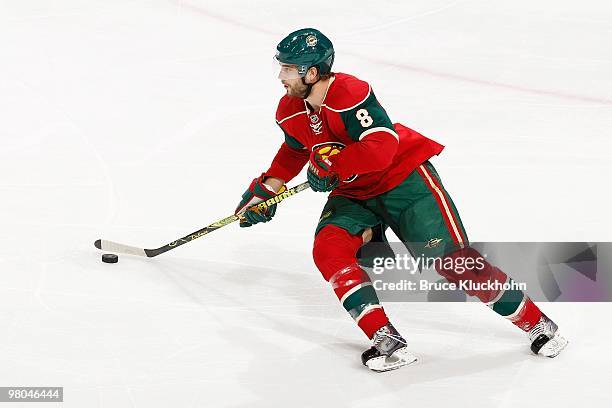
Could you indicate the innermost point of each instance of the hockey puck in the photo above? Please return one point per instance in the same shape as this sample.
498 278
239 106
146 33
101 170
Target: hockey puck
110 258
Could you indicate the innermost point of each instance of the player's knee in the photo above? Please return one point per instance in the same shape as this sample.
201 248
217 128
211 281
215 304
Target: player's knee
334 248
367 235
468 264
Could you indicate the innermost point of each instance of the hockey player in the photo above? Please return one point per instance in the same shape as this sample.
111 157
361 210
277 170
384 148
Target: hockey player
379 176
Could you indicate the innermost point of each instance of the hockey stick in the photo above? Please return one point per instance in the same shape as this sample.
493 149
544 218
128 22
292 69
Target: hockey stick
127 249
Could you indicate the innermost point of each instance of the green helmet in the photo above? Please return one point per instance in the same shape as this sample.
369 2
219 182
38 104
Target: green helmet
306 48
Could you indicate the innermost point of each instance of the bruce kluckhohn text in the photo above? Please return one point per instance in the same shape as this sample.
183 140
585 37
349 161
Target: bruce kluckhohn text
465 285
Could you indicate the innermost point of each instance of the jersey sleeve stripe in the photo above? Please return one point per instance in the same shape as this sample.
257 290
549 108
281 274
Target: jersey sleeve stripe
289 117
379 129
352 107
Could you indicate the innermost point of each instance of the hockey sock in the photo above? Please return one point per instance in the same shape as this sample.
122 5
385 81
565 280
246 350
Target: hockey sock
512 304
334 254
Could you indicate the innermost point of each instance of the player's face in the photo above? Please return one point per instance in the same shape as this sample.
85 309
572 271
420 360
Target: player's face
292 80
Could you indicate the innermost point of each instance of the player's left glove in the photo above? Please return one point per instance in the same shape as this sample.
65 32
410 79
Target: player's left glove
255 194
321 176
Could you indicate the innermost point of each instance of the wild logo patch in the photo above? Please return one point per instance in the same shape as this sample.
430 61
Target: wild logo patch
433 243
325 215
311 40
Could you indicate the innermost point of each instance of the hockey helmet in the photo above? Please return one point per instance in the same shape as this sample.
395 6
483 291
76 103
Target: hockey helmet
305 48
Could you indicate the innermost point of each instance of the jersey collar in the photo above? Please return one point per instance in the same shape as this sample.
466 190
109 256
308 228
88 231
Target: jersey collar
307 105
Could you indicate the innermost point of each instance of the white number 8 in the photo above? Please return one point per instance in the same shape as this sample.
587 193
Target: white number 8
363 116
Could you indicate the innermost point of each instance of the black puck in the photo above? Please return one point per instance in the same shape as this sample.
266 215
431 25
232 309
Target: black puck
110 258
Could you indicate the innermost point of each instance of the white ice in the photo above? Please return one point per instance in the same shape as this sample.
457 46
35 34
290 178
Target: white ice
140 121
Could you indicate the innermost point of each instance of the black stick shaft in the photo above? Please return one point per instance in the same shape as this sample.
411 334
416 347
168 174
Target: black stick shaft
194 235
225 221
201 232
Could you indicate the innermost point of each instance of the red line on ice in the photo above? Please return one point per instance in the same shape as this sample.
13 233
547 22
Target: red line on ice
412 68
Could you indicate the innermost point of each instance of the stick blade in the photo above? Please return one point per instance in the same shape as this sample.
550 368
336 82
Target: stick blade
116 247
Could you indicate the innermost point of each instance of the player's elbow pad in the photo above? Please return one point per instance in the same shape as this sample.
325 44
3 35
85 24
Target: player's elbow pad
385 154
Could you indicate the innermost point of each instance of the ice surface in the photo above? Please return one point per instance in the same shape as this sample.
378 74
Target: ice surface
141 121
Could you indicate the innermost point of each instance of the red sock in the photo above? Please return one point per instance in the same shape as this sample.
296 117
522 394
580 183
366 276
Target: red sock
334 254
528 316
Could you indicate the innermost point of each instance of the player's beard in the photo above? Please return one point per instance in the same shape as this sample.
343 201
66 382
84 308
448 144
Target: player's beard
297 89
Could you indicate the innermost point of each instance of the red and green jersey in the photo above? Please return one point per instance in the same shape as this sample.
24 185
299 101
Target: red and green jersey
377 154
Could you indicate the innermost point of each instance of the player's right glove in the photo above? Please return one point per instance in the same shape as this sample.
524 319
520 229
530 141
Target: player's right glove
255 194
321 176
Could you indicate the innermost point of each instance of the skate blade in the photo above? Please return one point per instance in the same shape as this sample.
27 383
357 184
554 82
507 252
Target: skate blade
399 358
554 346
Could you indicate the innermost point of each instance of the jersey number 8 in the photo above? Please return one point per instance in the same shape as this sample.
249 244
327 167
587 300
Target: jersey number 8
363 116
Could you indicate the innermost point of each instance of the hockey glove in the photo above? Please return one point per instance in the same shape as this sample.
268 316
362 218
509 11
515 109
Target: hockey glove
321 176
255 194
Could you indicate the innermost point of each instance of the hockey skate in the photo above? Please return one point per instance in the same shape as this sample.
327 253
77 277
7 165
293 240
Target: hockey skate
545 339
388 351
